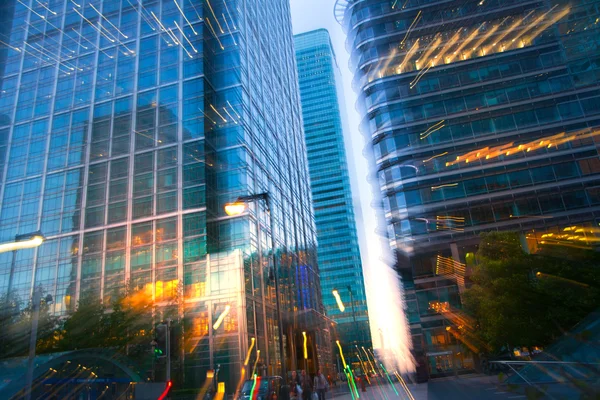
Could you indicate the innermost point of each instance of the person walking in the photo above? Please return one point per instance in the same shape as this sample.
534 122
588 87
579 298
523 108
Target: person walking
321 384
295 384
306 386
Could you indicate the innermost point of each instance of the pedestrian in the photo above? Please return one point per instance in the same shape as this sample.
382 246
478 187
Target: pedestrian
295 388
321 384
306 386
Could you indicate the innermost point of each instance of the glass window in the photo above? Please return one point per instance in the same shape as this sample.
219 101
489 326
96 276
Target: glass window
519 178
142 207
497 182
166 202
542 174
141 234
194 224
94 217
93 242
115 238
166 229
566 170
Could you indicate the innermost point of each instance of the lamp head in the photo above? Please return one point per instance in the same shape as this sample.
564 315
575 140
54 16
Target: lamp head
236 208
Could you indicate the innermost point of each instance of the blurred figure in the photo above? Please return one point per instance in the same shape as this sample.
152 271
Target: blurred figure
294 384
321 384
306 386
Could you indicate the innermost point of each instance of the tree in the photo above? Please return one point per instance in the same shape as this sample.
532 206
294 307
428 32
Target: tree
527 300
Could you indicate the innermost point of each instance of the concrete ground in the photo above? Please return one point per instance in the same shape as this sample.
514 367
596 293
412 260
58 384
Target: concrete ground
473 387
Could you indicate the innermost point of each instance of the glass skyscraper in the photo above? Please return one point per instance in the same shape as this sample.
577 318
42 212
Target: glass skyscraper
482 115
338 251
125 127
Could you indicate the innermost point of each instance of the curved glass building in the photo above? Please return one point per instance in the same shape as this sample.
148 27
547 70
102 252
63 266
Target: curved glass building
481 115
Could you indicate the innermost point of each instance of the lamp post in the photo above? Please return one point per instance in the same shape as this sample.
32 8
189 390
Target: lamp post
237 208
36 303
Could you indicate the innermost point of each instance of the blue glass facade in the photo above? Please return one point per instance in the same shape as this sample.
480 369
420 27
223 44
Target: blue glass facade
482 115
125 127
338 252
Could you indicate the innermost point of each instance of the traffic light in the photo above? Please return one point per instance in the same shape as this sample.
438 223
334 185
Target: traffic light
160 349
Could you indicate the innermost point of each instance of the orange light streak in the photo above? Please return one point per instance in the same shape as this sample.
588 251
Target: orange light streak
430 49
506 33
555 19
408 56
434 157
484 38
464 44
410 28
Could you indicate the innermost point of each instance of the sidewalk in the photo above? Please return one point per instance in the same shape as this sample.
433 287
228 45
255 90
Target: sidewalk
382 392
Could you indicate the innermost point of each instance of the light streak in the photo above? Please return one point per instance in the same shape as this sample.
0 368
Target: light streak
138 10
412 25
256 362
184 17
433 128
533 24
387 62
512 148
204 114
228 13
230 116
444 186
369 360
408 56
81 36
349 376
249 351
253 386
404 386
50 56
214 33
178 42
30 9
196 11
338 299
110 23
229 29
233 109
222 317
420 75
436 156
465 42
431 47
555 19
394 5
304 347
54 40
446 47
33 55
41 4
484 38
75 4
389 379
217 112
94 26
506 33
215 16
185 37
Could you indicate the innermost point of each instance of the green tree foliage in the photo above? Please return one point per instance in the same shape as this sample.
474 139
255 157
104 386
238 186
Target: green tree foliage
520 299
16 327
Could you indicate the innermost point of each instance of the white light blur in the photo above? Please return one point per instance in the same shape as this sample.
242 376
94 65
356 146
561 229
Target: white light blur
35 241
222 317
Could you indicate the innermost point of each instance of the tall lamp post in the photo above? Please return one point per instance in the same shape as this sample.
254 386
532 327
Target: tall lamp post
236 208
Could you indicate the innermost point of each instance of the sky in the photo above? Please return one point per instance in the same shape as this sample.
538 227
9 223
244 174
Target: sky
385 300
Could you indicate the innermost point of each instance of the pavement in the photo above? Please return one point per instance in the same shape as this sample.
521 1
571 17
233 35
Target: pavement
471 387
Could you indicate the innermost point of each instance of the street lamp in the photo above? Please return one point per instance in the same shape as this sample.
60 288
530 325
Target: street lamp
237 208
26 241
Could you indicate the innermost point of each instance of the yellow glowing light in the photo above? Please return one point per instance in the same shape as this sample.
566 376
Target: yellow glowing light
444 186
31 243
304 346
233 209
409 55
338 299
249 351
431 158
222 317
341 353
